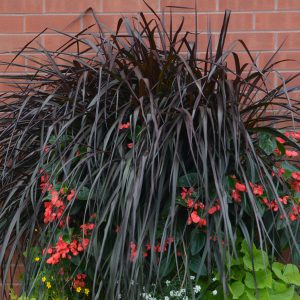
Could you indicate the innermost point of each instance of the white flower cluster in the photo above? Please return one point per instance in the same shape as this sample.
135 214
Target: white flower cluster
148 296
181 294
197 289
177 294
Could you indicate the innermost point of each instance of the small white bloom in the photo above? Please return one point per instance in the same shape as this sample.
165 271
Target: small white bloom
168 282
183 291
192 277
197 289
172 294
214 292
185 298
214 279
167 298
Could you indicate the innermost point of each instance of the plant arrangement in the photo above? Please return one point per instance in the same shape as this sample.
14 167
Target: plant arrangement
134 171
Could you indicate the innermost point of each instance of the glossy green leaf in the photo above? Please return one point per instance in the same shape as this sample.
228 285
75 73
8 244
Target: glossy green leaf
197 241
237 289
263 279
267 142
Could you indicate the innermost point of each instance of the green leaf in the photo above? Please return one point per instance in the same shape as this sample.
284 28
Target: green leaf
197 266
258 260
83 193
296 297
286 294
263 279
267 142
288 273
188 180
288 167
237 273
237 289
197 241
279 286
291 274
280 148
277 268
167 265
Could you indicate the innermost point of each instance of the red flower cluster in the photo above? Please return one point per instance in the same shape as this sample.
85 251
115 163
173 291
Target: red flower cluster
295 184
86 227
293 135
64 250
54 208
273 205
294 214
130 145
257 190
288 153
195 218
156 248
133 251
79 281
186 196
45 185
124 125
186 192
214 208
58 252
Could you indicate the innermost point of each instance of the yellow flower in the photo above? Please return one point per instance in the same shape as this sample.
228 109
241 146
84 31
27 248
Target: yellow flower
78 290
37 259
44 279
86 291
48 284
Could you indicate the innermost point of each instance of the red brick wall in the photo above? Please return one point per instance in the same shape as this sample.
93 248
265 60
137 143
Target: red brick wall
262 24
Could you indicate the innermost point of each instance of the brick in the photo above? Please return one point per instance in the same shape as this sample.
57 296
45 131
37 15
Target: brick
202 42
11 24
288 4
278 21
62 23
291 40
8 85
285 65
10 42
5 59
254 41
71 6
287 75
238 22
121 6
202 5
54 41
240 5
109 21
21 6
7 287
15 273
188 25
243 59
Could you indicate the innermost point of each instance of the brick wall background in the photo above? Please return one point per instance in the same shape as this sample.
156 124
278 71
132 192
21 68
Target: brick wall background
262 24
